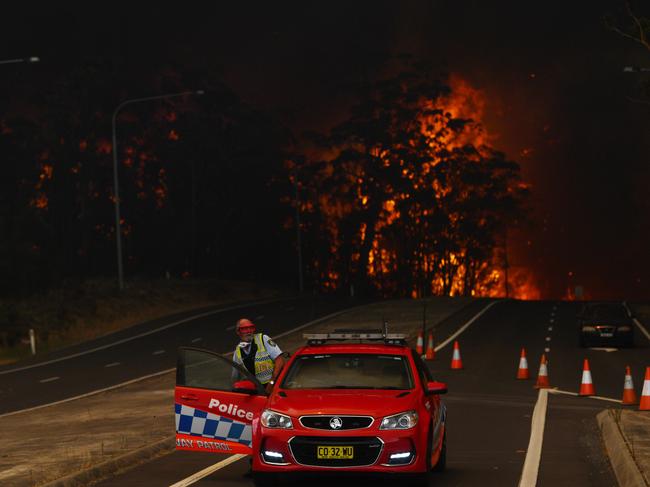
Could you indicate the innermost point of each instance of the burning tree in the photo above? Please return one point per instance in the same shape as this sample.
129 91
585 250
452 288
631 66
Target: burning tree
410 199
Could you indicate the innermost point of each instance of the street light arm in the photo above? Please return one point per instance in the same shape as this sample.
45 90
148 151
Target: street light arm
31 59
158 97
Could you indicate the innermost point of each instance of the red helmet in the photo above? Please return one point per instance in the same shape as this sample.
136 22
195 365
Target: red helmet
245 326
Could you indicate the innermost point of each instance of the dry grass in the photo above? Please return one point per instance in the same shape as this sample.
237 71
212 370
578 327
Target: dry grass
92 309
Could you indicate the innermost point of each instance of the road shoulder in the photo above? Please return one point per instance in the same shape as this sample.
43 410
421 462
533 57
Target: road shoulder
626 435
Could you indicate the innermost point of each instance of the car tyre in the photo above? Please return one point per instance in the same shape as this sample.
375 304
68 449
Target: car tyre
422 479
264 479
442 459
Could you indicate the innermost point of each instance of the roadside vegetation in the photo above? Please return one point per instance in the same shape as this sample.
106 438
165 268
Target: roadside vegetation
81 311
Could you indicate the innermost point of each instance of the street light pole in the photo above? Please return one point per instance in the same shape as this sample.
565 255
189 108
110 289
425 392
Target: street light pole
298 240
32 59
116 188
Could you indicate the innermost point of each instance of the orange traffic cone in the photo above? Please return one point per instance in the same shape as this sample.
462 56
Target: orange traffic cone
419 346
431 353
542 375
456 362
644 405
522 372
586 385
629 396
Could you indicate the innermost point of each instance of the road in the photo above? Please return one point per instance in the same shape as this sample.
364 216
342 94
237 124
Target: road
489 411
146 349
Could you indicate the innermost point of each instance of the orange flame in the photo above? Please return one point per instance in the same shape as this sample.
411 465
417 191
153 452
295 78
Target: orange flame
463 102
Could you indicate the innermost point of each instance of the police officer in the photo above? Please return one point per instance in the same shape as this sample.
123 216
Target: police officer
258 353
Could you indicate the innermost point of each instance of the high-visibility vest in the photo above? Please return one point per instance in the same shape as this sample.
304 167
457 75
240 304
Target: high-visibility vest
263 362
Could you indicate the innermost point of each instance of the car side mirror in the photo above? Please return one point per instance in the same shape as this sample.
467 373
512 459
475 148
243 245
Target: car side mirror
245 387
435 387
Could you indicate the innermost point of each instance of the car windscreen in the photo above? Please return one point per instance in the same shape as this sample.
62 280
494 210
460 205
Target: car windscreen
349 371
607 313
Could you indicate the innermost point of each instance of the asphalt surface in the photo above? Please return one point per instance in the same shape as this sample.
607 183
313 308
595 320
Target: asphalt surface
141 350
489 411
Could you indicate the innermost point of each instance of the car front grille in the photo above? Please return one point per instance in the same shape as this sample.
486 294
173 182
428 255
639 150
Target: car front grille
322 422
366 450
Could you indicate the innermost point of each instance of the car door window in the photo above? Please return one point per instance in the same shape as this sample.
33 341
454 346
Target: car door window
207 370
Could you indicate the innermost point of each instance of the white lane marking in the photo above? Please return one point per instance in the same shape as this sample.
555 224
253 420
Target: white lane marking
88 394
642 328
290 308
112 364
166 371
158 352
207 471
550 328
49 379
462 328
140 335
637 322
604 349
194 340
552 320
259 317
569 393
547 349
548 339
231 327
534 451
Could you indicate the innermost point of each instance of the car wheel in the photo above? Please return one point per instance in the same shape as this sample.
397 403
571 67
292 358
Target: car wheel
442 459
265 479
422 479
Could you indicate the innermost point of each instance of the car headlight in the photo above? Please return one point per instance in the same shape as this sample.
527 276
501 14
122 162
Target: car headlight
401 421
271 419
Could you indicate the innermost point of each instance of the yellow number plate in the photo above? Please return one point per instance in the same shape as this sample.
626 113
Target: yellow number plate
335 452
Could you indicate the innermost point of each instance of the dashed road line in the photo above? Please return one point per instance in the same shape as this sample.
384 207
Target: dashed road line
260 317
158 352
547 350
146 333
49 379
550 328
112 364
548 339
194 340
166 371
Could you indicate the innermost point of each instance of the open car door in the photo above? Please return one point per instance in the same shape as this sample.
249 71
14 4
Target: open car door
216 402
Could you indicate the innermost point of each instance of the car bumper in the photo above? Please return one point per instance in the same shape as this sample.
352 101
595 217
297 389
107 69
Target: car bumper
615 339
374 451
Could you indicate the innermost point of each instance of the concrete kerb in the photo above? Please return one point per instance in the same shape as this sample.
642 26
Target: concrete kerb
166 445
114 465
627 471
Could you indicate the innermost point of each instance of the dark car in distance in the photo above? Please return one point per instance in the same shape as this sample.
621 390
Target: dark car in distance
605 324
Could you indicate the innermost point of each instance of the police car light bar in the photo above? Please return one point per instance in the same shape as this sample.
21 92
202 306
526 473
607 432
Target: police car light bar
320 338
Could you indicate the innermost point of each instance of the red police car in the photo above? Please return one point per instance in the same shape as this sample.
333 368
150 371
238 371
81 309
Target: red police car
349 401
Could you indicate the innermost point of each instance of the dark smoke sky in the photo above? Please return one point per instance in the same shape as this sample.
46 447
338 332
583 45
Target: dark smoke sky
551 75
